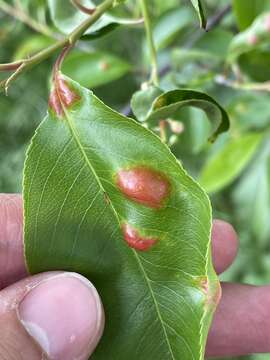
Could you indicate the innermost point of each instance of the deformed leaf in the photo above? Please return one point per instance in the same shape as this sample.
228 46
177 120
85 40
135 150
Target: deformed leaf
103 196
200 11
165 105
227 164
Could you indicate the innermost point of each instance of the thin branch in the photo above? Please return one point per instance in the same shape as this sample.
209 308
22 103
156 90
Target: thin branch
151 44
23 65
222 80
83 8
19 14
218 17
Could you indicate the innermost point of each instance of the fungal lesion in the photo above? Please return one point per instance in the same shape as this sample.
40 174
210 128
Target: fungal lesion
211 290
144 185
62 96
136 240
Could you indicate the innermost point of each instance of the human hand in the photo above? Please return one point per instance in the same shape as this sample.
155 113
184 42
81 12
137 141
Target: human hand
60 313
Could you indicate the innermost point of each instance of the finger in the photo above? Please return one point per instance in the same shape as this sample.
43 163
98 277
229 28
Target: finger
12 265
53 315
224 245
242 322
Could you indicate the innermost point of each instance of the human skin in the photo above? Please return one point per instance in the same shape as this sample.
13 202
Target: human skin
38 317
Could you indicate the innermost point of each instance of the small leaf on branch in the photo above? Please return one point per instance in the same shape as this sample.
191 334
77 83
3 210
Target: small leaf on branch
147 106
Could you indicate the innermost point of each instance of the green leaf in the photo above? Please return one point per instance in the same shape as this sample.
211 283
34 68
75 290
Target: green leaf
251 196
142 101
32 45
216 42
200 11
95 69
78 207
246 11
229 162
165 105
170 25
66 18
254 37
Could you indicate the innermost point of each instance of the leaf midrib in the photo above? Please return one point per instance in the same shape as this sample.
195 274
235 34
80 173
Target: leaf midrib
77 140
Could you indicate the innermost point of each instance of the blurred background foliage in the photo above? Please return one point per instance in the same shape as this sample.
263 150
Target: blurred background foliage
231 62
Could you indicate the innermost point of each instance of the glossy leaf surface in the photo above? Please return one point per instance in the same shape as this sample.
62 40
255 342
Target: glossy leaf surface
227 164
200 11
166 104
103 196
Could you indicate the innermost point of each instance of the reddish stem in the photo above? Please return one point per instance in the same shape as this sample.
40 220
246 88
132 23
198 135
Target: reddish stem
83 8
162 130
59 62
11 66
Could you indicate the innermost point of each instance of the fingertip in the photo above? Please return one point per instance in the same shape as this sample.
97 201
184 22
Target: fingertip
225 245
64 315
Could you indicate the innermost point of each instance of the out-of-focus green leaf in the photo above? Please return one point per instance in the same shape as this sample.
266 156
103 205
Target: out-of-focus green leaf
170 25
147 249
227 164
250 110
197 130
247 10
101 32
142 101
66 18
256 64
254 37
198 5
165 105
95 69
215 42
193 68
32 45
182 56
251 197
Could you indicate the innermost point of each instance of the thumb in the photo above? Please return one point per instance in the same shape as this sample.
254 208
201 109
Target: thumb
55 315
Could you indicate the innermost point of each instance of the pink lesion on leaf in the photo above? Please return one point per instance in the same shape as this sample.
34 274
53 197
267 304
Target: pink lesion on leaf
144 185
213 292
252 39
135 240
62 96
267 23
